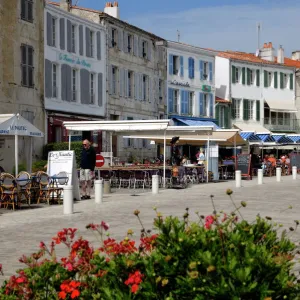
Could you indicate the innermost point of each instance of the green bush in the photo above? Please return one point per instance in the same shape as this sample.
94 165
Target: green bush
39 165
21 167
75 146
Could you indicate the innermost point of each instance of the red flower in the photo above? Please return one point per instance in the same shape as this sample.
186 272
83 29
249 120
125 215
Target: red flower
75 294
134 288
69 287
209 220
134 280
62 295
20 280
104 225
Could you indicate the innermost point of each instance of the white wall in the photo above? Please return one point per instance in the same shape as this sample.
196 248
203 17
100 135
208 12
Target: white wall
222 78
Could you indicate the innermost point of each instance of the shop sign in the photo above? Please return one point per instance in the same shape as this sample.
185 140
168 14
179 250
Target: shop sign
206 88
74 60
175 82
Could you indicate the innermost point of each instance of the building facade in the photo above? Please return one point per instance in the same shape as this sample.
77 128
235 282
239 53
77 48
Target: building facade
190 83
75 73
136 77
261 89
22 73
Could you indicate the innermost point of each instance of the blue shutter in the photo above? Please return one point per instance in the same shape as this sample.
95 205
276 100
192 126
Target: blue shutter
211 105
62 33
193 67
170 99
181 66
80 40
210 71
170 64
49 30
201 69
48 78
201 104
190 69
98 45
69 36
182 101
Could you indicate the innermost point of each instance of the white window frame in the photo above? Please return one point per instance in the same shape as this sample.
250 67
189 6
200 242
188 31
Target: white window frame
175 101
251 109
74 85
54 81
191 103
206 101
285 81
54 31
114 73
92 89
237 74
73 38
237 108
251 76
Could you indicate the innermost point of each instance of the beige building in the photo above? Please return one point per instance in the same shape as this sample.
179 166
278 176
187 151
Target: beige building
22 73
136 76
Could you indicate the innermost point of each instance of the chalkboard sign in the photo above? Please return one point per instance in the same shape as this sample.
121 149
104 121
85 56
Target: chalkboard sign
243 164
295 160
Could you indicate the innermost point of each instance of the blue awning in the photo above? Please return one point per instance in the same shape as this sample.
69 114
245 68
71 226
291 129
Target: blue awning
246 135
191 122
282 139
294 138
277 138
265 137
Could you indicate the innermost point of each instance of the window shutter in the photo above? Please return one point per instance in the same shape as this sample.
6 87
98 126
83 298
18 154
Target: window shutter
182 102
136 46
126 83
110 37
233 79
125 42
210 65
257 78
64 82
140 43
201 69
62 34
141 93
85 86
243 75
201 104
69 36
193 67
181 66
149 50
100 89
281 80
248 76
48 78
211 105
80 40
245 107
265 78
171 64
49 29
170 100
291 81
257 110
120 39
136 85
23 9
110 81
217 114
121 82
69 83
87 42
98 45
226 116
190 68
151 90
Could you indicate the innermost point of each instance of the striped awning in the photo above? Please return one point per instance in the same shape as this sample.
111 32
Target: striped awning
246 135
294 138
265 137
282 139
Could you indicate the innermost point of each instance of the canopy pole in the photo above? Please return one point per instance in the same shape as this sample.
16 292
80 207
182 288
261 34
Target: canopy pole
234 145
207 158
69 142
30 154
16 156
164 179
111 149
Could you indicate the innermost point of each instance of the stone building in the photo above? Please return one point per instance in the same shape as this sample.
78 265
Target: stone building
136 76
22 72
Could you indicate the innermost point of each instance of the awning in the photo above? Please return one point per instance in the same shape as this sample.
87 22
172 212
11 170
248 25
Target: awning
282 105
281 138
246 135
191 122
265 137
252 127
294 138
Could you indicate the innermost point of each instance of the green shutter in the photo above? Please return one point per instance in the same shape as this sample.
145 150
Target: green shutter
281 80
257 78
248 76
233 74
257 110
265 78
217 112
226 117
291 81
245 110
243 75
275 80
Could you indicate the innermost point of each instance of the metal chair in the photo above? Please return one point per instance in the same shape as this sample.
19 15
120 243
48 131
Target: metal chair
45 188
58 181
24 187
125 179
9 191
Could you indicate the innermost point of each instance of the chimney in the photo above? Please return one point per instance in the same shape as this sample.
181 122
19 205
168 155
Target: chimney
112 9
296 55
65 4
280 55
267 52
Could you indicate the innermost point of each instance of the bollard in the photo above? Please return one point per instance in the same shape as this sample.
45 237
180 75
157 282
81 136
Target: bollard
238 178
278 174
155 185
259 176
294 172
106 187
68 200
98 191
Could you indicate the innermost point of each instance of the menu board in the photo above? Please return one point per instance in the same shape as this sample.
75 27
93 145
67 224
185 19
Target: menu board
243 164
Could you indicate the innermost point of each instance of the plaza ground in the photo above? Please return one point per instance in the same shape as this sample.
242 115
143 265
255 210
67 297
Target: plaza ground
22 231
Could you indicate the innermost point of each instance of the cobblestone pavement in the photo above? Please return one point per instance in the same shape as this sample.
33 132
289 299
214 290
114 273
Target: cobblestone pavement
21 231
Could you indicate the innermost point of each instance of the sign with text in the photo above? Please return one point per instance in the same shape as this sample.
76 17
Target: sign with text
74 60
64 161
243 164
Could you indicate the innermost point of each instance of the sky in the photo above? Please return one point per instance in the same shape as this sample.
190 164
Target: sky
216 24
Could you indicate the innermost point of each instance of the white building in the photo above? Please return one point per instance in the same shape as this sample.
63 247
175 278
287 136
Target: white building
75 72
191 83
261 89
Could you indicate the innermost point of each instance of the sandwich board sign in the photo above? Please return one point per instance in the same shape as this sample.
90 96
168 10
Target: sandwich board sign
64 161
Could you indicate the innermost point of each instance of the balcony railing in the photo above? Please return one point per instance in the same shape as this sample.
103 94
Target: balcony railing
280 124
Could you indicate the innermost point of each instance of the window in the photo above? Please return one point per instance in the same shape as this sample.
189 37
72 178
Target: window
73 37
92 88
114 80
206 104
27 66
145 49
285 81
237 74
160 89
249 110
129 43
190 104
269 78
287 119
236 108
54 81
205 70
92 43
26 10
53 33
130 84
250 79
74 84
114 36
221 116
145 87
175 101
175 65
28 115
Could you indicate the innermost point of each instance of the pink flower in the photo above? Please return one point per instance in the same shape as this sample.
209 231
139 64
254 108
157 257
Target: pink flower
209 220
69 267
224 218
105 225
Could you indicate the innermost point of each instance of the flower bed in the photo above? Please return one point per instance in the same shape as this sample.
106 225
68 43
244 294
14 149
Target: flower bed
219 257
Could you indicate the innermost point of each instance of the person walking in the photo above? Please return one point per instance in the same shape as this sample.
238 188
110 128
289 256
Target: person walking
87 167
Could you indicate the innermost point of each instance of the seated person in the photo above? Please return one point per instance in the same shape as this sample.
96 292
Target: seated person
272 160
200 157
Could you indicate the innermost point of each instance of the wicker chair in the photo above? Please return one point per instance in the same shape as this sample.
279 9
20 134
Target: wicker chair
24 187
9 191
45 188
